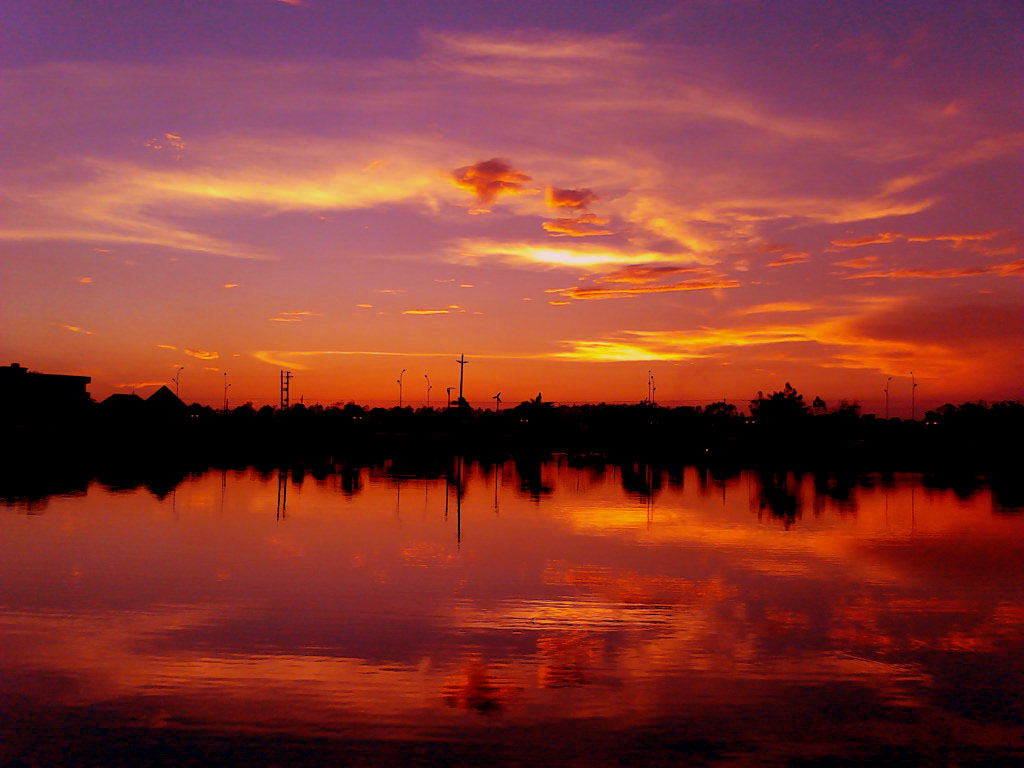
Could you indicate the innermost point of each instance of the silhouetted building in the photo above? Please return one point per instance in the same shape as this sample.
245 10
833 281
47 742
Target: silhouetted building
30 397
123 407
165 404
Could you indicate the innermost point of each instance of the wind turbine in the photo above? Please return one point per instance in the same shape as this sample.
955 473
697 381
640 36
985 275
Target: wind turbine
497 402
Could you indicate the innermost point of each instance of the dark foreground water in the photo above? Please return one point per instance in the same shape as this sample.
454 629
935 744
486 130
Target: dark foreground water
544 619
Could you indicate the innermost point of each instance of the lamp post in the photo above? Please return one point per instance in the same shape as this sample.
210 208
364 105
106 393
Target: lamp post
913 395
427 377
887 398
399 382
449 391
177 381
462 369
226 385
650 379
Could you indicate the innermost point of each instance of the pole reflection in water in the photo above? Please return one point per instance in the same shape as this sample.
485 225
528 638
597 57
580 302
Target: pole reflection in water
282 493
561 631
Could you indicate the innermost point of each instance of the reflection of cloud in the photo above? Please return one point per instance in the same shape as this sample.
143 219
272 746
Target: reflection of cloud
569 198
568 659
477 691
490 178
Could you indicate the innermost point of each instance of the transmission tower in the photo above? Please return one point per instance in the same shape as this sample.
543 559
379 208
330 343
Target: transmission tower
286 377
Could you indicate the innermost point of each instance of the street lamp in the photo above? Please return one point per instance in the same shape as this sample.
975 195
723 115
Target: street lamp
449 391
427 377
177 381
887 398
913 394
399 382
226 385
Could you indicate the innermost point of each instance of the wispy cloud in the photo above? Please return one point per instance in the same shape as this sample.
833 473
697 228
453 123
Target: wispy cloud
576 255
201 354
585 225
578 292
294 317
788 259
1008 269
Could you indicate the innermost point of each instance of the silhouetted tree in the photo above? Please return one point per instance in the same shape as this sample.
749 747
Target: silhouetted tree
779 407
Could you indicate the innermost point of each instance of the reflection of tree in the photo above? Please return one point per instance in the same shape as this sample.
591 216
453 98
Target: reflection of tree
640 479
476 691
838 487
531 479
777 498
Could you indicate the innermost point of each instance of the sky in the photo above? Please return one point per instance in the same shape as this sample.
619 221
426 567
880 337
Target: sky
723 195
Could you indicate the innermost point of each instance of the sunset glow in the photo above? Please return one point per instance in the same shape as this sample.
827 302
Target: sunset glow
731 195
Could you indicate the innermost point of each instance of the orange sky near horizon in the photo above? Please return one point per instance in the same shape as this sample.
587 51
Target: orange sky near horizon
730 195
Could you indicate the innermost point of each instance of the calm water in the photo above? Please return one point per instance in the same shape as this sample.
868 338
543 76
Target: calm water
551 618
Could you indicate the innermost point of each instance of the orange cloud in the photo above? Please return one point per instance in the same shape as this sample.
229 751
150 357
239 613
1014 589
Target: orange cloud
165 346
582 226
576 292
569 198
957 241
426 311
862 263
294 317
85 279
797 257
230 285
1004 270
854 242
202 354
76 329
489 179
640 274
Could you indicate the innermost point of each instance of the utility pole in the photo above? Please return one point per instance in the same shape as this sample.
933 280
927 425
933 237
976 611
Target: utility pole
286 377
226 385
427 377
913 395
462 369
650 378
449 391
399 382
887 398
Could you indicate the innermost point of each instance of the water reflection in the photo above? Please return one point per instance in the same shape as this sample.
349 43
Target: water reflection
620 612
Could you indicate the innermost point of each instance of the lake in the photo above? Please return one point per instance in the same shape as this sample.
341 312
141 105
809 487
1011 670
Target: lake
509 615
